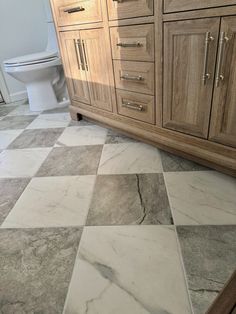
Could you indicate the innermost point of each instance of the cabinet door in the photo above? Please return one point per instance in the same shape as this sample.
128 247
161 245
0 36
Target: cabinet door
223 119
97 56
74 70
189 62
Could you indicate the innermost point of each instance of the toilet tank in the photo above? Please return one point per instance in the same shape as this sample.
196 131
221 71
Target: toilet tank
52 43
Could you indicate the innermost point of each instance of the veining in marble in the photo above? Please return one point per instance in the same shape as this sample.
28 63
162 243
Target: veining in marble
114 137
202 197
7 136
56 110
172 163
132 269
52 202
56 120
16 122
70 161
36 138
209 254
129 199
21 162
10 191
129 158
5 110
84 135
23 110
36 268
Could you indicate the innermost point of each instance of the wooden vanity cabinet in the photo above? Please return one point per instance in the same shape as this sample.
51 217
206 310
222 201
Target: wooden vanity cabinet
162 71
88 67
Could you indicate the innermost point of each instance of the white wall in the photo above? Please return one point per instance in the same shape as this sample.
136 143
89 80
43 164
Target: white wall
23 30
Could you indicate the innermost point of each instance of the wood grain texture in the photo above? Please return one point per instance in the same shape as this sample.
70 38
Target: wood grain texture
184 5
91 11
76 77
146 101
99 71
223 120
143 34
129 8
187 101
127 74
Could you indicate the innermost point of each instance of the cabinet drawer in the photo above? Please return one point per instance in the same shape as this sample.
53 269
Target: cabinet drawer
133 42
136 106
129 8
134 76
185 5
69 12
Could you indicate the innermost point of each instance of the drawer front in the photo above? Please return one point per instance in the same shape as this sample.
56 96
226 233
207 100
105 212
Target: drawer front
122 9
69 12
134 76
136 106
134 43
185 5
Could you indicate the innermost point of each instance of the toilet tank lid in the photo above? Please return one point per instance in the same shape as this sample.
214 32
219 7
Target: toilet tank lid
32 57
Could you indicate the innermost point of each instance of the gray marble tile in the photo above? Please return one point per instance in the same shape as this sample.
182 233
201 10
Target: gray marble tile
63 161
172 163
10 191
82 122
129 199
16 122
5 110
128 270
209 254
36 138
56 110
36 269
114 137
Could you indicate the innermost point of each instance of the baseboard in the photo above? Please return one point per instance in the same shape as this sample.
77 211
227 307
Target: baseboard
22 95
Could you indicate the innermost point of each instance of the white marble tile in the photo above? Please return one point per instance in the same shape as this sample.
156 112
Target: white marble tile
8 136
56 120
84 135
23 110
202 197
22 162
52 202
131 269
129 158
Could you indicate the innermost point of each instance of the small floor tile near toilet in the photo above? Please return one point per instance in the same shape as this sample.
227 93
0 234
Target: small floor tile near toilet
37 266
21 162
130 199
128 269
7 137
129 158
56 120
82 135
36 138
202 197
70 161
10 191
5 110
52 202
16 122
23 109
209 255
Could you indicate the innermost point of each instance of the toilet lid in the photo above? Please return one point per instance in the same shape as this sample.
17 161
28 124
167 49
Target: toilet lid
32 58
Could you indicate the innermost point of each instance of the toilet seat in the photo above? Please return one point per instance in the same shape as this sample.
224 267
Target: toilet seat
36 58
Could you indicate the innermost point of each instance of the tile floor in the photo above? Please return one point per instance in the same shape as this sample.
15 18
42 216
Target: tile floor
94 222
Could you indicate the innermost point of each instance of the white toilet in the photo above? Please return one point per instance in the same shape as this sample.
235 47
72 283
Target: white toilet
42 73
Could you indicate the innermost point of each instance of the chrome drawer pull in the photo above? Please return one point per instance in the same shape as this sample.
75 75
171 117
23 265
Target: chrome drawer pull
132 78
74 10
124 45
219 76
133 106
206 75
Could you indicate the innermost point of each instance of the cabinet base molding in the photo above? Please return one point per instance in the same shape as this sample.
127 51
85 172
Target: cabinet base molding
204 152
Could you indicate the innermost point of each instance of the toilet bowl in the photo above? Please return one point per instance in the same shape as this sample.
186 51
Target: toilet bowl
42 73
43 77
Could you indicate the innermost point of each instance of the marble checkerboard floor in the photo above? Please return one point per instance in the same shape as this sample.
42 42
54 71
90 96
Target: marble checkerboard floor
94 222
